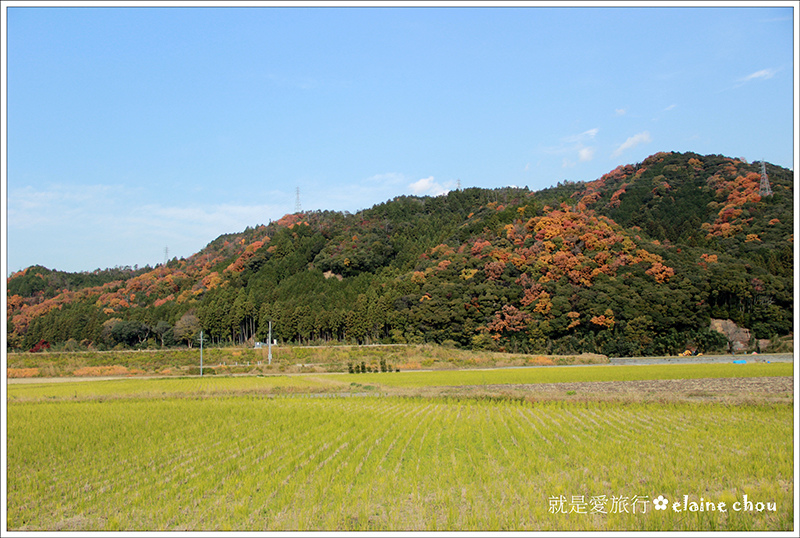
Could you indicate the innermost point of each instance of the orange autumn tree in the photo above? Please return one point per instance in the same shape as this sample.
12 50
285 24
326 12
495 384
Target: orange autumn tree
565 245
238 265
508 319
738 192
582 245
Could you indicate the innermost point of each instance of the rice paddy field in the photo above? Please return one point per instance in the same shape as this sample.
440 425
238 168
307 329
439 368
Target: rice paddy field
400 451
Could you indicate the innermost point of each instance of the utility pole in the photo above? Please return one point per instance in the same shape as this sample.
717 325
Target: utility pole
201 352
269 344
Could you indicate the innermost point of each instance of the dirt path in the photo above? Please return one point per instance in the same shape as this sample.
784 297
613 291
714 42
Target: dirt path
69 379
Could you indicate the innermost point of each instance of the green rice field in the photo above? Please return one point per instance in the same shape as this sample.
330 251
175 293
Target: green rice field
568 374
302 453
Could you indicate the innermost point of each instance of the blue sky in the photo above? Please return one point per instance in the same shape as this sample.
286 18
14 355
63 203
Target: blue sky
134 129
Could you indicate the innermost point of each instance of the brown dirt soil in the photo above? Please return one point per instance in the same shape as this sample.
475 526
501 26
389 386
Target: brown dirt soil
724 384
727 390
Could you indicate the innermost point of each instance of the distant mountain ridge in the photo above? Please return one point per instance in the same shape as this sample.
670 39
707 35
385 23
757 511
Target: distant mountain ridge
635 262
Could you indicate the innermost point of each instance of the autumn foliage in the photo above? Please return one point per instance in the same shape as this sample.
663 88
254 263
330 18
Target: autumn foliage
636 261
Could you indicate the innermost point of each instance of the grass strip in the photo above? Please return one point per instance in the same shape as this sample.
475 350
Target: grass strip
163 387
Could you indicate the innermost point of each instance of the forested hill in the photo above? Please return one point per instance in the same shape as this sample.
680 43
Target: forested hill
634 263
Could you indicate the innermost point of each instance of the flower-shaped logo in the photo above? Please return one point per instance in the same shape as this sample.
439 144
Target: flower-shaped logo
660 503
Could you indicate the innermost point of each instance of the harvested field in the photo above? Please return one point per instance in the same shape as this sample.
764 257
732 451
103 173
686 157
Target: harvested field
728 389
774 385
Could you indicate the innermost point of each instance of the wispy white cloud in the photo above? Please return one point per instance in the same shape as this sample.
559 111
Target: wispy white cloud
60 204
586 135
212 219
571 143
620 111
658 115
428 186
762 74
96 226
575 147
110 206
632 142
355 195
586 154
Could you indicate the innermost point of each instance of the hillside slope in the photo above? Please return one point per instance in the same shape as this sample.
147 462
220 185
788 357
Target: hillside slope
633 263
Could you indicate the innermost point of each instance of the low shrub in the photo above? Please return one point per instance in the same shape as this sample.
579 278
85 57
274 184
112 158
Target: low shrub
93 371
195 370
22 372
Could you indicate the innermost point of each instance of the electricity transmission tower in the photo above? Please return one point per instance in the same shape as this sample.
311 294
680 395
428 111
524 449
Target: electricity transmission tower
297 208
764 189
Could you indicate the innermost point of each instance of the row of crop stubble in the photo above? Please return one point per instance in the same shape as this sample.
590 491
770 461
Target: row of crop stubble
254 463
